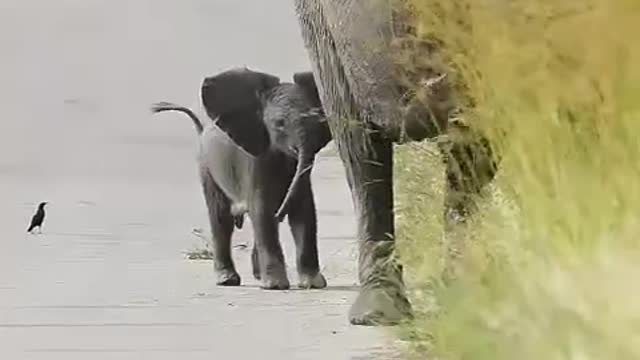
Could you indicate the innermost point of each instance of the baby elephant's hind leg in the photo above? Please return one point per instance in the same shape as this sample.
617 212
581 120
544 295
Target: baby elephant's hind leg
304 229
221 222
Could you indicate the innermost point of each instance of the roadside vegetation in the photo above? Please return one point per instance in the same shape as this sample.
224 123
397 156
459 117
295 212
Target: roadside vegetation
550 263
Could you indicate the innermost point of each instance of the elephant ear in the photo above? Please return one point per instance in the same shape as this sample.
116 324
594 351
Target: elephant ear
233 100
308 83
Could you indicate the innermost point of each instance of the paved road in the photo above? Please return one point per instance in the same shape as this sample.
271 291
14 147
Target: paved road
108 279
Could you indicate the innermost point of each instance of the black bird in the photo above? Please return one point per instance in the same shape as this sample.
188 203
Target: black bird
38 218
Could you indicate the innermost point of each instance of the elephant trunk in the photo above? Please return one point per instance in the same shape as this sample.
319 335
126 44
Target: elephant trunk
303 168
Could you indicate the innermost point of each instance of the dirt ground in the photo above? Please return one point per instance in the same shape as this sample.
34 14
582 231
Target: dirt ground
108 278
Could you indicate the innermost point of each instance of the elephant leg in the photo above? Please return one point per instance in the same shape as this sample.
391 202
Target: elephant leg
352 85
369 168
221 222
270 257
255 262
304 229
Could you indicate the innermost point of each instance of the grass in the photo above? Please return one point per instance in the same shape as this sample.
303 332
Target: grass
203 252
550 262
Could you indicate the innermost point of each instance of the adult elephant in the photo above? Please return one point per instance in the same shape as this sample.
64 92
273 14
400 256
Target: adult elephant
349 43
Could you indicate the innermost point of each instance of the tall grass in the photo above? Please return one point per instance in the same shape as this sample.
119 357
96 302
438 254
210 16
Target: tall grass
551 263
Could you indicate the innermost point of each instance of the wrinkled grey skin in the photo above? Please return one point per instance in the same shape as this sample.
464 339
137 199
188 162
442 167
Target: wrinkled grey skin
256 158
348 43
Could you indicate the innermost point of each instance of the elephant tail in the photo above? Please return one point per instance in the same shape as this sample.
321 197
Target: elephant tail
167 106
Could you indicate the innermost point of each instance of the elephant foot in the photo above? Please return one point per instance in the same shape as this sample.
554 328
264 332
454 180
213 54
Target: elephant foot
275 284
227 278
379 307
316 281
276 280
382 299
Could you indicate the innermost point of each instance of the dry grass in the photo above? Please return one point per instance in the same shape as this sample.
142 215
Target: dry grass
549 266
203 252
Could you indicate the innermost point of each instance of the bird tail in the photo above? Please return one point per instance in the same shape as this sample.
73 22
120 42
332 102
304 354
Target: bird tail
167 106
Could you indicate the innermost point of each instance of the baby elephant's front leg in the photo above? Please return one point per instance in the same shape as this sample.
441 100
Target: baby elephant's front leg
304 229
270 258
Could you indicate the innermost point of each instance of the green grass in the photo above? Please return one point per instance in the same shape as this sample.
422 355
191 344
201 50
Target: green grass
550 265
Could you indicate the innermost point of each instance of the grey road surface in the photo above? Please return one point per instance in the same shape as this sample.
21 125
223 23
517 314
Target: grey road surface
108 278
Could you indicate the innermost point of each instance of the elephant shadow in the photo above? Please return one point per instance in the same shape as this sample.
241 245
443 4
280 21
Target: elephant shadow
336 288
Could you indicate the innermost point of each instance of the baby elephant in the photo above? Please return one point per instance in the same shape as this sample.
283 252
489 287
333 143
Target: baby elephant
256 158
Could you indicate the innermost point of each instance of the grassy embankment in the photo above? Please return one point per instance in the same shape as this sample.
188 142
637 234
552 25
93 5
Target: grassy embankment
550 268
